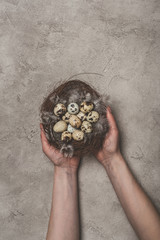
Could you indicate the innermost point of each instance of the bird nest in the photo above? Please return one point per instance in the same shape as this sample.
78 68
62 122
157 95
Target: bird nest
84 102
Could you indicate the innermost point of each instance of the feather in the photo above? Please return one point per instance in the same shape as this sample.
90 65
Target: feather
64 101
101 125
74 96
49 117
67 150
54 98
106 99
87 97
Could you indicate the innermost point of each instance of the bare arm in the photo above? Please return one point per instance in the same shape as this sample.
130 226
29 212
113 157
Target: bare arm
138 208
64 217
64 220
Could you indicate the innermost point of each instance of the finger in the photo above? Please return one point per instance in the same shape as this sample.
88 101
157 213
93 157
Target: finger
45 143
41 127
44 140
111 120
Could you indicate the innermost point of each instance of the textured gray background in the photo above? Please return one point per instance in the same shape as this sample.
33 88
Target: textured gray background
45 41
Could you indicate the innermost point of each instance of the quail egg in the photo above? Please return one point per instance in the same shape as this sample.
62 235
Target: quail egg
66 136
93 116
86 127
73 108
70 128
81 116
86 107
60 126
78 135
59 109
66 117
75 121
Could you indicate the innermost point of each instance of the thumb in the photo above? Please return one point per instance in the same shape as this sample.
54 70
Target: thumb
45 144
111 120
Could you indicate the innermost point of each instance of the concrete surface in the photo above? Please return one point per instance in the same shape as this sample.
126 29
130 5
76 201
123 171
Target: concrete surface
46 41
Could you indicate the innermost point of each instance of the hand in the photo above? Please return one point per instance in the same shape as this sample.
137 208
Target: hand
110 146
55 156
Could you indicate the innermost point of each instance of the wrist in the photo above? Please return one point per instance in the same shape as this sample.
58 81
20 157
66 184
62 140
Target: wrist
65 170
114 162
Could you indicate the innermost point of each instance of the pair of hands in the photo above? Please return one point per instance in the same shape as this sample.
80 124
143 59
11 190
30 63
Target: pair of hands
109 149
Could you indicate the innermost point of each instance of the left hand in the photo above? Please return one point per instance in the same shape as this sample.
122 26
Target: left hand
110 148
55 156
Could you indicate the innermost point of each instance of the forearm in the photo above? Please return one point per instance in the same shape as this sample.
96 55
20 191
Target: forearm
137 206
64 218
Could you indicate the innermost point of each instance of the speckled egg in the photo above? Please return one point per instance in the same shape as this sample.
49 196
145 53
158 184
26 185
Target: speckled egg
60 126
66 117
75 121
78 135
93 116
73 108
66 136
86 127
59 109
81 116
70 128
86 107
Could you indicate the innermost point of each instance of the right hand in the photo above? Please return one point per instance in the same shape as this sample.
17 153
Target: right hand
110 146
55 156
